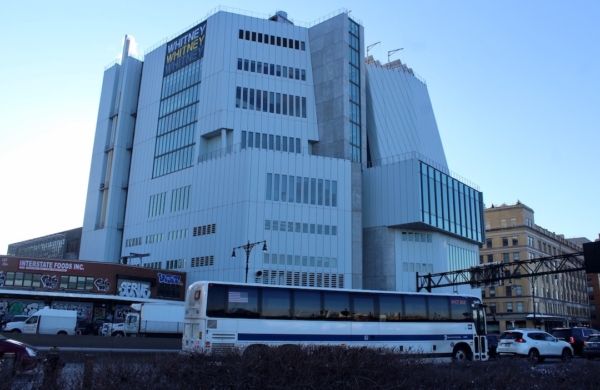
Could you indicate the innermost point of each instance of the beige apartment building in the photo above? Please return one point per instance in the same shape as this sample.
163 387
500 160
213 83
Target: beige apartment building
546 301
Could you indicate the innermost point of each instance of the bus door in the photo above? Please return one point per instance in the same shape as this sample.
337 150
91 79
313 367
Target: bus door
480 340
194 328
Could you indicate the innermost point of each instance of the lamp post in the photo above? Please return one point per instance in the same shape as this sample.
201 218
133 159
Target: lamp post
248 248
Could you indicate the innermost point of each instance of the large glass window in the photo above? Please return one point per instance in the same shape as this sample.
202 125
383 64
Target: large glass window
276 303
415 307
307 304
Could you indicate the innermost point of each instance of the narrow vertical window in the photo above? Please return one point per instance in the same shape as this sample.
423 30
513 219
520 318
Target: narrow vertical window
285 104
272 69
284 188
272 102
259 67
271 142
277 142
265 101
291 145
245 98
243 139
291 98
269 184
239 64
250 139
320 192
246 63
305 190
258 99
297 106
298 148
313 191
303 107
284 142
291 190
327 192
276 187
264 141
298 189
238 96
252 66
257 140
278 103
241 34
251 100
334 193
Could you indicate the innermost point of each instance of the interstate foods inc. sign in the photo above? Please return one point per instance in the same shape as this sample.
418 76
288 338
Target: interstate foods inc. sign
49 265
185 49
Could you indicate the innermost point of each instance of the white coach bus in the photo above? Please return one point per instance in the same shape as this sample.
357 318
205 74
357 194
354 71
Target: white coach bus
221 316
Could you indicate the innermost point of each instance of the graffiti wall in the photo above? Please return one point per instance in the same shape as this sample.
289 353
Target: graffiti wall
20 307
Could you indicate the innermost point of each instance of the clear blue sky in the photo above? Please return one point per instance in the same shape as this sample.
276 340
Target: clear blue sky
515 87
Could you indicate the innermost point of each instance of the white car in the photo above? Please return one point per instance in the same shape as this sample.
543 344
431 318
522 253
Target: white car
15 326
533 343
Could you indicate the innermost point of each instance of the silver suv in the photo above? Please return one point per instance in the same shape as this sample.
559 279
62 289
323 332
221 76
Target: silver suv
533 343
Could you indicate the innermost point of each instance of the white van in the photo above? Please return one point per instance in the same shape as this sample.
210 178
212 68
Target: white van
51 321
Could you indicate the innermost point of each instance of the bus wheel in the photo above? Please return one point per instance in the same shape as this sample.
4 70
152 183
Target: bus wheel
461 354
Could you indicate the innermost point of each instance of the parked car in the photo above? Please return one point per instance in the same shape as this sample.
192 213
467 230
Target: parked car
591 347
492 340
533 343
26 356
574 336
15 326
12 318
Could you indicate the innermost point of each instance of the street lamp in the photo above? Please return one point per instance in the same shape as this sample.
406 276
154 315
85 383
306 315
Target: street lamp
248 248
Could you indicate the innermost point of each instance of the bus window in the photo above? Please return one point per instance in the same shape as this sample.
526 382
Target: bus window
307 304
242 302
459 309
415 307
216 301
391 307
438 308
275 303
363 308
336 305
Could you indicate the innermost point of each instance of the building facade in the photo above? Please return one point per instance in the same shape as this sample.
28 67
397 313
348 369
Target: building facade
94 289
245 129
62 245
545 301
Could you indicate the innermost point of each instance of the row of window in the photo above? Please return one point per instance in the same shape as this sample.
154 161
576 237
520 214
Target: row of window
70 282
450 205
311 228
505 257
509 291
180 200
177 234
205 229
173 161
177 119
133 242
203 261
273 102
297 260
354 88
182 79
417 237
271 142
284 188
152 238
305 279
272 40
178 101
283 303
271 69
422 268
174 149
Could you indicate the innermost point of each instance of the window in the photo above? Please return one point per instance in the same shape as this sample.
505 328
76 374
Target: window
505 258
518 290
509 307
516 256
508 291
513 222
492 291
488 242
504 241
515 240
503 223
520 307
490 258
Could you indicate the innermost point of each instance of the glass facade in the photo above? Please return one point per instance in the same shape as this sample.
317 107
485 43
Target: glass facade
175 136
450 205
354 102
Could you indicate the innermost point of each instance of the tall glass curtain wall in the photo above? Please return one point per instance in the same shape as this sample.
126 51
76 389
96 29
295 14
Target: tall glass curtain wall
354 103
450 205
177 120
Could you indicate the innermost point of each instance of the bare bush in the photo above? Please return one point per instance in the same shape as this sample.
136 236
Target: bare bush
320 367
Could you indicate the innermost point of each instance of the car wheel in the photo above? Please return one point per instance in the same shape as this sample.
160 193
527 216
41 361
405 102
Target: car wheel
15 331
566 355
534 354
